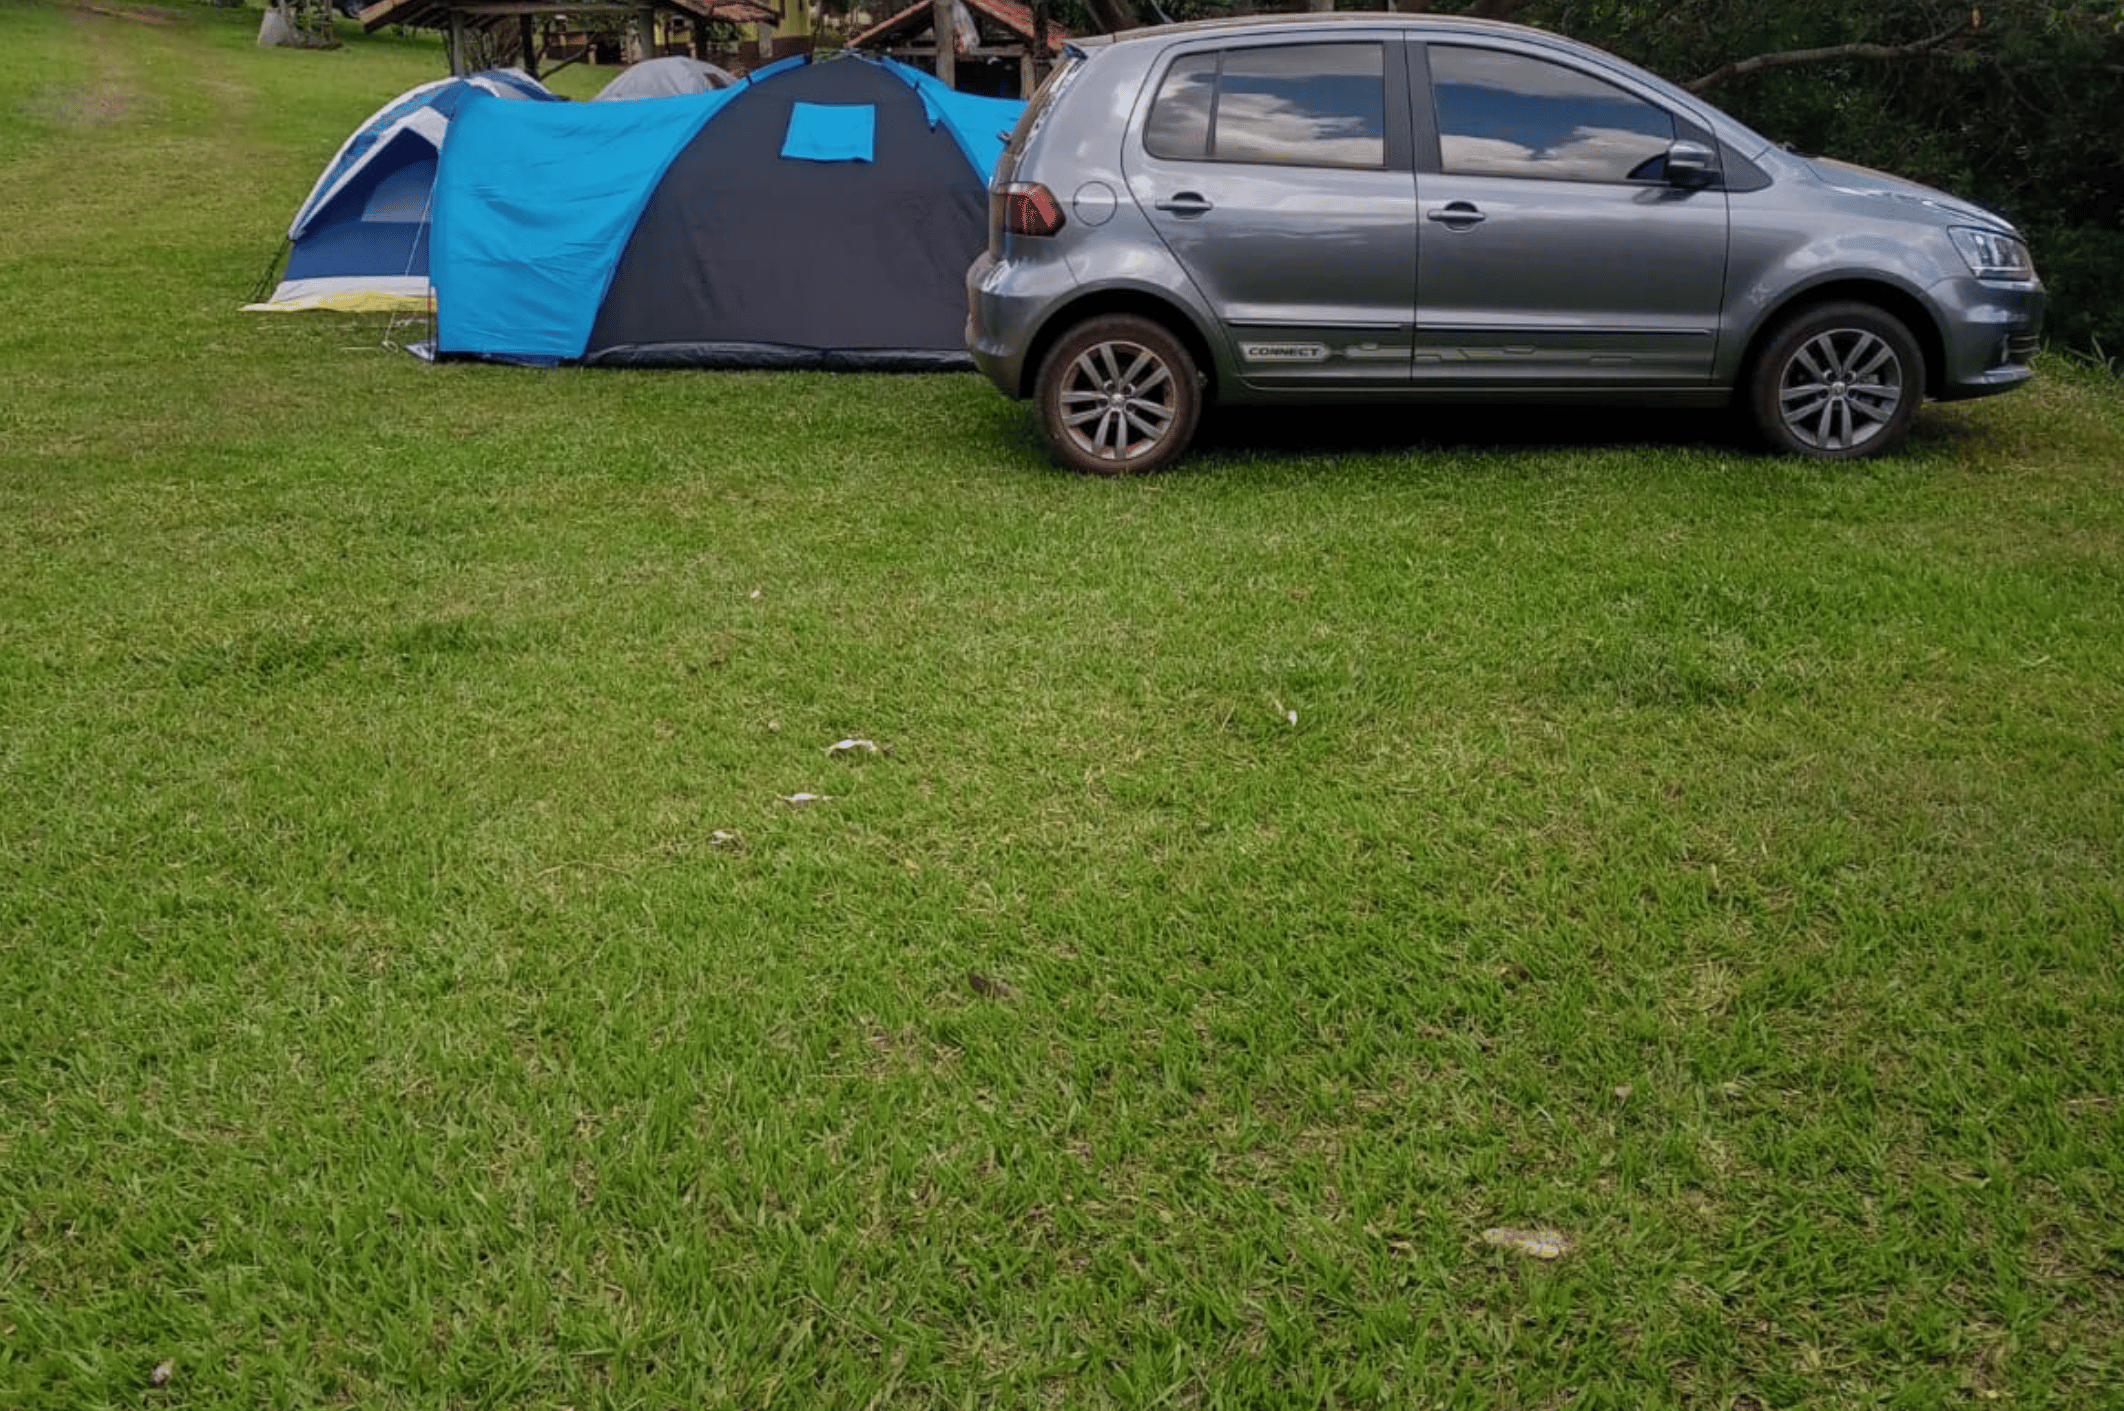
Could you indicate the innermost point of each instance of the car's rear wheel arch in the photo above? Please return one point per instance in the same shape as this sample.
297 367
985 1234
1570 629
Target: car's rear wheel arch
1903 307
1120 301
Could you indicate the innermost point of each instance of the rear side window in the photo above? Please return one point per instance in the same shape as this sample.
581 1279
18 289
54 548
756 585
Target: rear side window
1315 105
1505 114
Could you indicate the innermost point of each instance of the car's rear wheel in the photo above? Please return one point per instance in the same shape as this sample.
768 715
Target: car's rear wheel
1838 382
1118 394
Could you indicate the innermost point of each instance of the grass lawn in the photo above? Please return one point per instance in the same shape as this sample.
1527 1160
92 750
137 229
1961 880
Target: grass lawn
1273 877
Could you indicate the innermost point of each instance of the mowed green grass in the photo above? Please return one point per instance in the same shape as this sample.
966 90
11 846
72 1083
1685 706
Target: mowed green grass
416 989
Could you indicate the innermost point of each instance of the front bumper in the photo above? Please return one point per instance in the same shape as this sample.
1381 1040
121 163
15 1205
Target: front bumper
1992 330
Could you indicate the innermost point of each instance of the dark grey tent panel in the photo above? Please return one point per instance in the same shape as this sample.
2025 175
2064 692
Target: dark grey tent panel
747 257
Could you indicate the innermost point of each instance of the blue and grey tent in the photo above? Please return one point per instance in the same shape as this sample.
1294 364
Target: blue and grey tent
360 239
818 214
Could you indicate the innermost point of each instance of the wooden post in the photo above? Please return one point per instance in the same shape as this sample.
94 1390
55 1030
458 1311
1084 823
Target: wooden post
523 28
947 49
458 64
643 25
1037 50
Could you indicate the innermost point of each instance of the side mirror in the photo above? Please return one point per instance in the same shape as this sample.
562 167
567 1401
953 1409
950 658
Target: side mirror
1691 165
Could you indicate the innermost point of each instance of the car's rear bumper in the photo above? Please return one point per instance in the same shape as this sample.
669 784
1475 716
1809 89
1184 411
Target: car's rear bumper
999 359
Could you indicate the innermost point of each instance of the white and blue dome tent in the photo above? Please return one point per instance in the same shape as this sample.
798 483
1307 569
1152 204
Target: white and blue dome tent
360 240
818 214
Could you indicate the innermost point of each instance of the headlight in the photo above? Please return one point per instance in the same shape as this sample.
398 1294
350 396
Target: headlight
1992 255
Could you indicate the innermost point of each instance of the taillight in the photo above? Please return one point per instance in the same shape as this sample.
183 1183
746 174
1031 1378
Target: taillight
1030 209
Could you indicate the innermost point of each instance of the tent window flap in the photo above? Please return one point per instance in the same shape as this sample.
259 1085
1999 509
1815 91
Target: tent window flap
831 132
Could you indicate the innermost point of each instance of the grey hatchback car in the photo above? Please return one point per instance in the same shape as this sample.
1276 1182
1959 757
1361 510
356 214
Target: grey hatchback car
1345 207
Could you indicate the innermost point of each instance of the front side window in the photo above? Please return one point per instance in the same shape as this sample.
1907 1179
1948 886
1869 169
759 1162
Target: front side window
1505 114
1317 105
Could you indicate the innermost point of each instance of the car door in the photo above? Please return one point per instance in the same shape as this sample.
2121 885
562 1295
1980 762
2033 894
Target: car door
1280 177
1552 250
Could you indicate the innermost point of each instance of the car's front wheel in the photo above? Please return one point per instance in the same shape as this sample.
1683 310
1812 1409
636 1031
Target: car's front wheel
1838 382
1118 394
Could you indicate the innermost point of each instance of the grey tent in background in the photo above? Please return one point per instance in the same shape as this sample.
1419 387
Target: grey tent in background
665 78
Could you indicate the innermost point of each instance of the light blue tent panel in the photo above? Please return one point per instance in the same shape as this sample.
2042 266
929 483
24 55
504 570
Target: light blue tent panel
980 125
831 132
533 204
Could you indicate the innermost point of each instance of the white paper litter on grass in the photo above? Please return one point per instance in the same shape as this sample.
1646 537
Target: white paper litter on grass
1540 1244
851 746
799 800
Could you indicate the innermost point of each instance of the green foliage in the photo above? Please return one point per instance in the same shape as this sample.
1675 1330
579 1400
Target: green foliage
2022 112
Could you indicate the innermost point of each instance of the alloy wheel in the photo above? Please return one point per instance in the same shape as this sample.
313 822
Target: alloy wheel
1119 400
1839 389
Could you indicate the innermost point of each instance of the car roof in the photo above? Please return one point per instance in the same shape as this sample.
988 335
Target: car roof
1375 19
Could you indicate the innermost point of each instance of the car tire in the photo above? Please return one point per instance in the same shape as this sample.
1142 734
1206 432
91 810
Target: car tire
1837 382
1118 395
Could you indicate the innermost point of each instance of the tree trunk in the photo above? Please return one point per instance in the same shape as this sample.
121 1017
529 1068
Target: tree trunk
298 24
947 31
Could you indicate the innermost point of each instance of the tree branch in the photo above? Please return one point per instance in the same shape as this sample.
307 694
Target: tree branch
1790 57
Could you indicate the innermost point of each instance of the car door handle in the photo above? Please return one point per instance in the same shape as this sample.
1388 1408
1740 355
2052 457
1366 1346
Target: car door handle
1456 215
1187 203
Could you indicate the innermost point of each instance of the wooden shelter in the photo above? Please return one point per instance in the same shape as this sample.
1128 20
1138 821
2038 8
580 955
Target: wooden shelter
461 19
989 39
